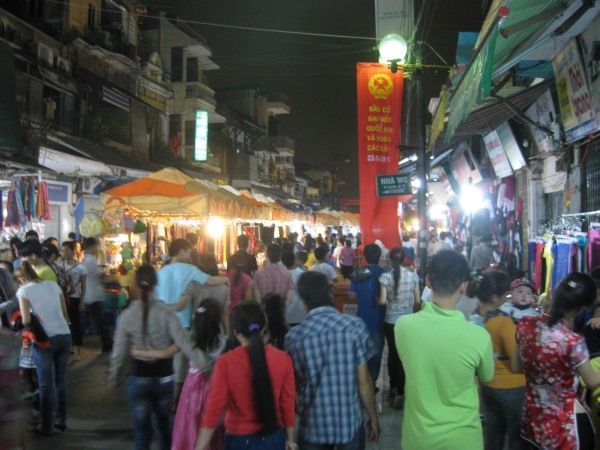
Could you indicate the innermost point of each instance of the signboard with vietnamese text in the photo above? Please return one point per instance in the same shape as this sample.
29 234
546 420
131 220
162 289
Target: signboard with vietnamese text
59 193
497 155
590 47
201 139
511 147
577 114
390 185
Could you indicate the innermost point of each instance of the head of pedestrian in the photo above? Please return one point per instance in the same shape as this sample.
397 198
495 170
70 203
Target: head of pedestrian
181 250
341 241
491 288
192 238
145 281
396 257
301 258
448 275
348 243
313 289
72 236
321 253
31 251
248 323
288 259
50 252
595 274
90 245
32 235
274 253
67 250
207 324
575 292
208 264
522 293
372 253
242 242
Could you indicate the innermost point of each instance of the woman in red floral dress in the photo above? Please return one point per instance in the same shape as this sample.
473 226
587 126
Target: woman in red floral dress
552 356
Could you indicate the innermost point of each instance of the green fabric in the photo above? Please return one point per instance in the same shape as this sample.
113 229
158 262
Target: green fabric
442 353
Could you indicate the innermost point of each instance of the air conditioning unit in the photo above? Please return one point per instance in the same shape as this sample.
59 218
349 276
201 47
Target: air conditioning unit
62 65
45 54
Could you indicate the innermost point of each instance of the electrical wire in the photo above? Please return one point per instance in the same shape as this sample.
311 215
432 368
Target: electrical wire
233 27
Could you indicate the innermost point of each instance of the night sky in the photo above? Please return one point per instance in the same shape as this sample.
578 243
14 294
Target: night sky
318 74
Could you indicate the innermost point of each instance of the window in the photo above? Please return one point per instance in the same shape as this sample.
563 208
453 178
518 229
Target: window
176 64
91 17
191 69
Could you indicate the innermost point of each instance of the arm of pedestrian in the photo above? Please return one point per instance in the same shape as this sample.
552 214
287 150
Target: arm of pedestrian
594 322
485 371
289 297
153 353
256 294
25 308
515 360
417 297
382 295
367 397
83 281
120 351
182 303
249 294
204 438
217 281
63 306
590 376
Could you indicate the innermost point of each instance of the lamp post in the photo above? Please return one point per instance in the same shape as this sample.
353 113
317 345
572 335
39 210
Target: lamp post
393 50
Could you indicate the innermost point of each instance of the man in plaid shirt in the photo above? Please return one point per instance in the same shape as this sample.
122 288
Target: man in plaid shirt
330 353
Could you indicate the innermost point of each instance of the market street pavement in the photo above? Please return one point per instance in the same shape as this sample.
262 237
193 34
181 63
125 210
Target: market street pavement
98 419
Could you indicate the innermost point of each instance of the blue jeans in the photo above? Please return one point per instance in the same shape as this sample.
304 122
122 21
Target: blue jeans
273 441
357 443
150 401
374 364
51 367
503 417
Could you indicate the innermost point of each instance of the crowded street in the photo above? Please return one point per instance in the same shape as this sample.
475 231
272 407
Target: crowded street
300 225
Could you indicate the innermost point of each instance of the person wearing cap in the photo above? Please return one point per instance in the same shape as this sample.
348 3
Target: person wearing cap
522 299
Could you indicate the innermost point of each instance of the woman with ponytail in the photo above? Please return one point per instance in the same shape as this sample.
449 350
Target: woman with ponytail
254 385
147 324
400 293
44 300
552 356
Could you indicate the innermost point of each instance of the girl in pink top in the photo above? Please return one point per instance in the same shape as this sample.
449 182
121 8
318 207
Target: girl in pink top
241 286
347 260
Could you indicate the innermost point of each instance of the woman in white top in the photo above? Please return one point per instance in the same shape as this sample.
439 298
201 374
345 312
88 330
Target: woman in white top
76 275
400 293
45 300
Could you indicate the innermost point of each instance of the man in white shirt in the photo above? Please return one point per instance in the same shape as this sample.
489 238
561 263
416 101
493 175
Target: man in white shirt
322 266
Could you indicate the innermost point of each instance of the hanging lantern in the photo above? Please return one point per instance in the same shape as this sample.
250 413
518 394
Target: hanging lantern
91 226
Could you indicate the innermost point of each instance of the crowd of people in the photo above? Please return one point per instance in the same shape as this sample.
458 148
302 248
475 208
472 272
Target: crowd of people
258 357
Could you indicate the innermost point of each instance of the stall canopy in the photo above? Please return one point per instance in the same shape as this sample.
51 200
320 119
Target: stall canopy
166 192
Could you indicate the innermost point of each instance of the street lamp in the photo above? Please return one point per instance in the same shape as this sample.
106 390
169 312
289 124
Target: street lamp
392 49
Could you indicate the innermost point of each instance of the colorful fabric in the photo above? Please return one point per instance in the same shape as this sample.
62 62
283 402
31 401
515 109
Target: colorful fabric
190 408
550 358
442 354
326 349
273 279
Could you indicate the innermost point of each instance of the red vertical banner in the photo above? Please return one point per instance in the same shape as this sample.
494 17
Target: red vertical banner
379 95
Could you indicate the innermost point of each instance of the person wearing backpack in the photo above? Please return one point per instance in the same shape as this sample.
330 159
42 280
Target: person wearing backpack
365 285
75 275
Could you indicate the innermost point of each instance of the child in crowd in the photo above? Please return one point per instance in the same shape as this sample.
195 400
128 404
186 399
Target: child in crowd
205 345
522 299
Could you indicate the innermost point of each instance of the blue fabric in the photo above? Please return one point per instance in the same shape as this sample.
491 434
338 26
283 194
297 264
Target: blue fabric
326 349
562 256
272 441
367 297
374 362
51 368
150 402
172 282
531 254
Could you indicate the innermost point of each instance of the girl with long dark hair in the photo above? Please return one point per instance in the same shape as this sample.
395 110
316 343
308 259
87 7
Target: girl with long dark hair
45 300
203 347
240 283
147 323
274 306
503 396
400 293
254 385
552 356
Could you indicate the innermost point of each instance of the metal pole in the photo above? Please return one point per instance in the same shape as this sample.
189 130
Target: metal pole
421 168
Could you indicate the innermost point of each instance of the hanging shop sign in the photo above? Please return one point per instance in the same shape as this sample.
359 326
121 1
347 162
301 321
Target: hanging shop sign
543 112
201 139
379 93
498 157
511 147
464 167
391 185
574 97
394 16
59 193
590 47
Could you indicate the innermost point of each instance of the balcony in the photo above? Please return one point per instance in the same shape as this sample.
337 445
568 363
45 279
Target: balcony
283 143
278 103
200 91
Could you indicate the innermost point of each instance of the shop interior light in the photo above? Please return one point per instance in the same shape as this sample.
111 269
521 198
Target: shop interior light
471 199
215 227
416 183
437 211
